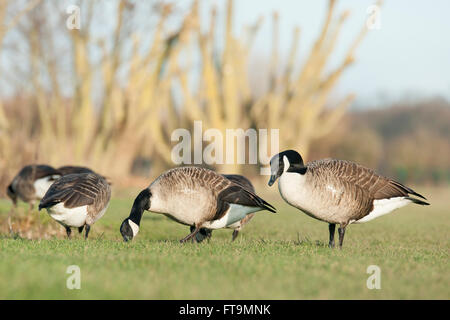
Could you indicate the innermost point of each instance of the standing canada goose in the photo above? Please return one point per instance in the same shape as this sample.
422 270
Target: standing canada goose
196 197
31 183
77 200
237 226
337 191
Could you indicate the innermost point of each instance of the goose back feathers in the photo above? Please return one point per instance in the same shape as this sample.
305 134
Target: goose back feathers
76 200
241 180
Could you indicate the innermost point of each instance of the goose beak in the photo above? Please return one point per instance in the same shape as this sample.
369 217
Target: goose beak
272 180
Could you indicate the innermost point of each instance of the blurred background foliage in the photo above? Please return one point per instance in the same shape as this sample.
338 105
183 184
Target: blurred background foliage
109 95
409 141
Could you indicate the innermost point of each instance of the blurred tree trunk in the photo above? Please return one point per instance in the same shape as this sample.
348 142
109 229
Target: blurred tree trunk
144 86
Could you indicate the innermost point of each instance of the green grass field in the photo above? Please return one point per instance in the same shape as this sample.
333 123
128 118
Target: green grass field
276 256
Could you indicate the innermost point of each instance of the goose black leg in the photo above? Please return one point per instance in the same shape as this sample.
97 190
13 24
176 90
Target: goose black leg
88 227
331 228
235 234
191 235
80 229
68 231
196 239
193 239
341 232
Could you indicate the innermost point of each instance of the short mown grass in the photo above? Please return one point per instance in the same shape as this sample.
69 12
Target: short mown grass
276 256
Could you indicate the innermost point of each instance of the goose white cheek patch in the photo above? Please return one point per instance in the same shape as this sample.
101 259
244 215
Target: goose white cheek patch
286 164
134 227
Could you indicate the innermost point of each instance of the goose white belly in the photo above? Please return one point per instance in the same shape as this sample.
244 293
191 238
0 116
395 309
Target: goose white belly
42 185
72 217
182 208
384 206
233 215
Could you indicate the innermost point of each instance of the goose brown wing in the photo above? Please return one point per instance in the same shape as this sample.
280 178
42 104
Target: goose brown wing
241 180
379 187
236 194
74 190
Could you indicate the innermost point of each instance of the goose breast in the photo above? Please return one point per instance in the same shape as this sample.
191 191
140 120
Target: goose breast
322 195
188 195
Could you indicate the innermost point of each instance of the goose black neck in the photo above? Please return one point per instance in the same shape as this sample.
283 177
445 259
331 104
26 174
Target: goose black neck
141 203
10 189
295 162
298 168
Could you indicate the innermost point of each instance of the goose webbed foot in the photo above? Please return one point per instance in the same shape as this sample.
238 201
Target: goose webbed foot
331 228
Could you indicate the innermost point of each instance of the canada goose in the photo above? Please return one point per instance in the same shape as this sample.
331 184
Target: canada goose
31 183
244 182
196 197
337 191
77 200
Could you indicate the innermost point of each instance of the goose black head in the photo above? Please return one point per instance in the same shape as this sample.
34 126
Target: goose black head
11 193
130 226
289 160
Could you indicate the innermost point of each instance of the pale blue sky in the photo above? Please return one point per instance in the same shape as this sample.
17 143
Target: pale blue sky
408 57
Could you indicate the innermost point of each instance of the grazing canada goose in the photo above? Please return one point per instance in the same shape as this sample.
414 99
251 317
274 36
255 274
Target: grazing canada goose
31 183
244 182
77 200
337 191
196 197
